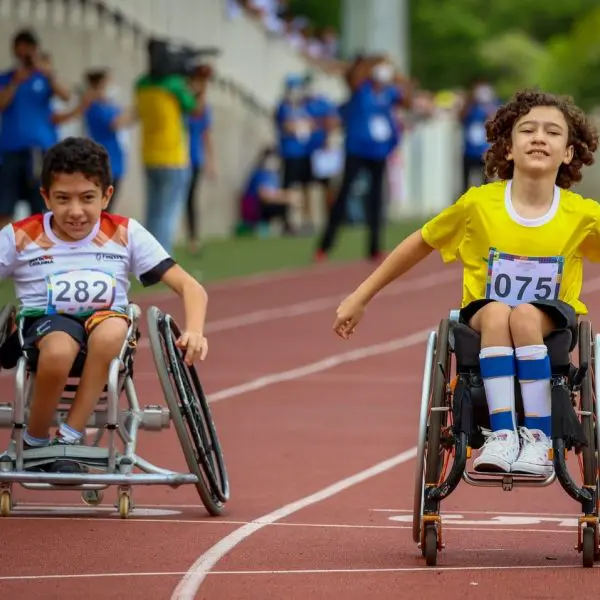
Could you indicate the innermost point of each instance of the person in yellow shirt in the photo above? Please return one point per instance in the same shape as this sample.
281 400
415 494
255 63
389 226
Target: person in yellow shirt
522 241
162 106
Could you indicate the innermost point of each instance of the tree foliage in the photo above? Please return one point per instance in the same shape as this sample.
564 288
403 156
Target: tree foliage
553 45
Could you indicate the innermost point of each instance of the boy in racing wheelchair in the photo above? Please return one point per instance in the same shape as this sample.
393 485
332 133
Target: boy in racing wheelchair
521 240
70 267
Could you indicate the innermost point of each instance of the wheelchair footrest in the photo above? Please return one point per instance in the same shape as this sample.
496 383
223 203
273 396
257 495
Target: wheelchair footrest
507 480
82 454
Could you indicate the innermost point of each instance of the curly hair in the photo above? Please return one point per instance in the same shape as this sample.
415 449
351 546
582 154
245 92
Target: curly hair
582 135
77 155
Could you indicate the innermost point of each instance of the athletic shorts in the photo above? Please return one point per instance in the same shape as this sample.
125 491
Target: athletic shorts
35 328
562 314
296 171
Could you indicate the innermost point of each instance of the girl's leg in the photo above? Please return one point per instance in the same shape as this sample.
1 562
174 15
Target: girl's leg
529 327
498 372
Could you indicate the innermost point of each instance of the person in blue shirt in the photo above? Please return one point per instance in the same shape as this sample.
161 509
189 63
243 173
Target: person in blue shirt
202 156
295 126
372 134
26 130
264 200
106 122
480 106
326 120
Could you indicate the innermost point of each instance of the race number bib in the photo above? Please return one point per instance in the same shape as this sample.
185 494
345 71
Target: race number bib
517 280
380 128
74 292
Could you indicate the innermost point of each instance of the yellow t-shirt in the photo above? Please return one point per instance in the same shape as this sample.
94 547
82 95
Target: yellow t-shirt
162 106
517 260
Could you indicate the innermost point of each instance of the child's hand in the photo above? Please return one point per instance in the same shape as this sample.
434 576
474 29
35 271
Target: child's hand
195 344
348 316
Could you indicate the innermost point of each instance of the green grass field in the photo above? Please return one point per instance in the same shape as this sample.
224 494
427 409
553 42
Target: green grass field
235 257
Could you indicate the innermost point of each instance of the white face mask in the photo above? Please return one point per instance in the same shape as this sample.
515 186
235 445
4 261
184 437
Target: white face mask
112 92
383 72
483 94
294 94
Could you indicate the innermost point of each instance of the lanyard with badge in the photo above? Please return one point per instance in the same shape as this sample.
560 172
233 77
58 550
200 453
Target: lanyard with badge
514 279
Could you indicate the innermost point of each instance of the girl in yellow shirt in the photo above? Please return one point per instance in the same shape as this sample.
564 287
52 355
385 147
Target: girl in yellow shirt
522 241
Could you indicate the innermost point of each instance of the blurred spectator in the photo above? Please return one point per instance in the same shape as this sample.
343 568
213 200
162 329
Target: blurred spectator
295 127
324 157
481 104
202 156
264 200
162 103
27 130
372 134
106 122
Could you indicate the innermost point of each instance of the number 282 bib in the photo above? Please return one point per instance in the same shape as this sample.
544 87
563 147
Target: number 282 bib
517 280
80 291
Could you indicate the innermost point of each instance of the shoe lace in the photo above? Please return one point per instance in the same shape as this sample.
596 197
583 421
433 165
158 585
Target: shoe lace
495 442
533 446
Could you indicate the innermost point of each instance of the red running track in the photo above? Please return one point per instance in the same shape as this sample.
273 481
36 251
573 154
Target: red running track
321 461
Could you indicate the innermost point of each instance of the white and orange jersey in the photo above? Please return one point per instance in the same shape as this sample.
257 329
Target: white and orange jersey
54 276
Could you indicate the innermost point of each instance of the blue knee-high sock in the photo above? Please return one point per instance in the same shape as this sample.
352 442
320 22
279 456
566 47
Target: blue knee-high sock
534 372
497 365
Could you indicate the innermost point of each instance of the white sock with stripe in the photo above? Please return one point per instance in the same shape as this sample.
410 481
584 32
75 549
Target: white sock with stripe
498 372
533 368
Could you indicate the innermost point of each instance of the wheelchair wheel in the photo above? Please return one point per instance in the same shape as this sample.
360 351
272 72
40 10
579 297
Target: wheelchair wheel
190 412
7 319
429 451
588 404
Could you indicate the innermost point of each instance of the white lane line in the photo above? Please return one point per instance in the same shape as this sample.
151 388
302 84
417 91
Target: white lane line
321 365
250 573
191 582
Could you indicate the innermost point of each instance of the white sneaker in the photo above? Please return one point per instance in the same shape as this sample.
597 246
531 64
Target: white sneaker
533 458
500 450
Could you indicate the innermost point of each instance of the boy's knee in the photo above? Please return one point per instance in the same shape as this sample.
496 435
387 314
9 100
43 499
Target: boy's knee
58 350
106 339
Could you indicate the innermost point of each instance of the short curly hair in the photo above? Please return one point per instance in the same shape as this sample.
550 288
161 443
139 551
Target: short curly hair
77 155
582 135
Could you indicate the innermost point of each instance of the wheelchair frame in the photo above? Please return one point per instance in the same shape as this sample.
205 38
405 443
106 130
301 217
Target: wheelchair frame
187 407
437 440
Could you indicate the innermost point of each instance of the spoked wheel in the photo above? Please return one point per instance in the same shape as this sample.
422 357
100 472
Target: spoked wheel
588 406
433 418
190 412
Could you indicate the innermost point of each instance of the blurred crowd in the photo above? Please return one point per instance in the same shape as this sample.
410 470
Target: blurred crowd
345 151
319 45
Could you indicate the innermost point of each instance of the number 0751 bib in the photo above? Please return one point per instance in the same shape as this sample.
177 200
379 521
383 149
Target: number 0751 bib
80 291
517 280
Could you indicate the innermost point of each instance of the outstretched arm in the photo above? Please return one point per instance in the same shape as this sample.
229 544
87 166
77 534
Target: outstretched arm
405 256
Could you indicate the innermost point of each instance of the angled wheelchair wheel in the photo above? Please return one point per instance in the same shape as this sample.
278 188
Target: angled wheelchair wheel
430 454
7 319
190 412
588 405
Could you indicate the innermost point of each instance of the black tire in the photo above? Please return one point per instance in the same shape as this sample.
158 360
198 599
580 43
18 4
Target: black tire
439 398
190 413
587 402
589 541
431 543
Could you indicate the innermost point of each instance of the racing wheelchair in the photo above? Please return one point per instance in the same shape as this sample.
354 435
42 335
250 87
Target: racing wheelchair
187 408
454 419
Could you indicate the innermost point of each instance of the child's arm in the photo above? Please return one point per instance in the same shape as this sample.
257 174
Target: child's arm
195 301
444 233
405 256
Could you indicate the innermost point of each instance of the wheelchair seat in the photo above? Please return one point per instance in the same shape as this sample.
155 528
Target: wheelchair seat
466 344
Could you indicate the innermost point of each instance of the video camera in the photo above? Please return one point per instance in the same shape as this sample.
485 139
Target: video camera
166 58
